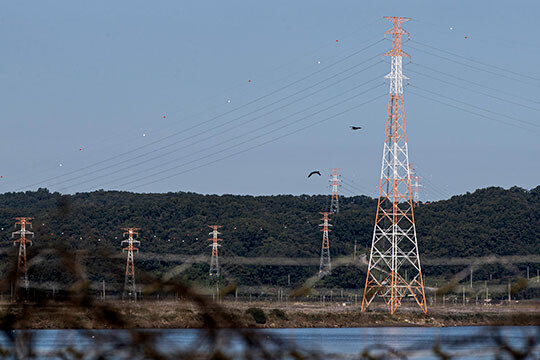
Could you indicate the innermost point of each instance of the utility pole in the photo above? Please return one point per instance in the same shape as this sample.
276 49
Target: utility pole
214 260
471 276
22 233
335 182
394 246
325 266
130 288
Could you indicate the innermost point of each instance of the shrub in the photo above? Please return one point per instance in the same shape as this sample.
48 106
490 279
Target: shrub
258 315
280 314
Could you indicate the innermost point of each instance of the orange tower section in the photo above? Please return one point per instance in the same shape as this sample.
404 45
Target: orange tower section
394 270
325 267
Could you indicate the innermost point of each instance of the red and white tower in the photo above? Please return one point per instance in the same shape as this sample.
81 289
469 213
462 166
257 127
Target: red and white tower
130 288
394 248
416 184
214 260
335 182
325 266
22 233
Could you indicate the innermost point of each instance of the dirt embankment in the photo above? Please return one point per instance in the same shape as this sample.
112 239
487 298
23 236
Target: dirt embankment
175 314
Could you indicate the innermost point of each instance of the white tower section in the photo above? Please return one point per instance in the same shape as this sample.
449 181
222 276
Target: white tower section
334 183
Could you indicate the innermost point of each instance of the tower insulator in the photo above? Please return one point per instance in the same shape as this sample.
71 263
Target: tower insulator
130 287
325 267
394 248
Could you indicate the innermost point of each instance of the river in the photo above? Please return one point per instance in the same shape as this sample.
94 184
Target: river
342 343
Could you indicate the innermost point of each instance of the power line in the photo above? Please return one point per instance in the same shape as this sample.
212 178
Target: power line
475 83
350 190
262 144
475 91
474 67
478 107
207 121
355 187
468 111
236 137
528 76
262 135
205 132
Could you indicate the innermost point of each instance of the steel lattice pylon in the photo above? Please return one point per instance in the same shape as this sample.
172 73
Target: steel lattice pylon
214 260
22 233
325 267
130 287
334 180
394 248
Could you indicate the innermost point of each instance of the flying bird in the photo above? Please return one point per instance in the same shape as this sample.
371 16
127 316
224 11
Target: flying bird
356 127
313 173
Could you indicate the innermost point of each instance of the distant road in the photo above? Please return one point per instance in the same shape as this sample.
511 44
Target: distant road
314 261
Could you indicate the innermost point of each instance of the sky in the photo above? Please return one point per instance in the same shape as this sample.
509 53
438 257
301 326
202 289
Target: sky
248 97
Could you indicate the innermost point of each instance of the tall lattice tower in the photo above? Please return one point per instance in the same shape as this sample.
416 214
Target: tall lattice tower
22 240
334 181
394 248
325 266
130 288
415 185
214 260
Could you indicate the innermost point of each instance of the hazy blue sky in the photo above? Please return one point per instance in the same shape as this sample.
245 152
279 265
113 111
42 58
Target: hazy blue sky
82 82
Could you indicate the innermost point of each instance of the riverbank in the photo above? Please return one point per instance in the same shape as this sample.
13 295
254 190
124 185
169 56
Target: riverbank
174 314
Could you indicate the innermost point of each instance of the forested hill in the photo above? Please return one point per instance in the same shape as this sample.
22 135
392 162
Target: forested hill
488 221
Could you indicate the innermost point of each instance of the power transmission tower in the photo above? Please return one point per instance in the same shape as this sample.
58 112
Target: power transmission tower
325 267
214 260
335 183
394 248
22 233
130 288
416 184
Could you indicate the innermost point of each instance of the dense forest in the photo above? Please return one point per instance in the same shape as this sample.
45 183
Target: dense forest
491 221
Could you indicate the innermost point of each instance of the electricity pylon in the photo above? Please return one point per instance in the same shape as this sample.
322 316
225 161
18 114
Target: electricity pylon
394 248
130 288
325 267
334 180
214 260
22 265
416 185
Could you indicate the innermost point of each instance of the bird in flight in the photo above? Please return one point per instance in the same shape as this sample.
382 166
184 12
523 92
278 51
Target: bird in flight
313 173
356 127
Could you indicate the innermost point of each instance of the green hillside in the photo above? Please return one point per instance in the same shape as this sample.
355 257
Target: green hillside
488 221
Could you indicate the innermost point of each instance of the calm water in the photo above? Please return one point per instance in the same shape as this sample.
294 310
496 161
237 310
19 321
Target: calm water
415 342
